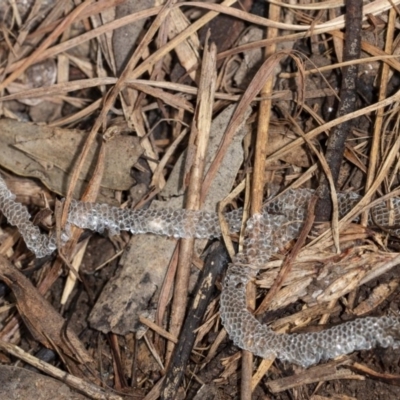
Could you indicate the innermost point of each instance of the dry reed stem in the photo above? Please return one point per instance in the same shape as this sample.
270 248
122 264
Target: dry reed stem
257 188
323 5
376 138
325 68
198 143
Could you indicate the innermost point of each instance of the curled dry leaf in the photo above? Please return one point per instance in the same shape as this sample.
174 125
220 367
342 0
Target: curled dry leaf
42 320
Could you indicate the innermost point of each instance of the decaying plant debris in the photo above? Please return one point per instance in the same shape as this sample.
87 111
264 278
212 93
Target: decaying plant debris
122 95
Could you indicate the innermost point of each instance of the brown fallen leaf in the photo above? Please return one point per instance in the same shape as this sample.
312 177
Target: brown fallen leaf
50 153
42 320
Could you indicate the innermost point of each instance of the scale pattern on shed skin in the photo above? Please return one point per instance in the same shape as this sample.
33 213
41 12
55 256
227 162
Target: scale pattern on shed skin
266 234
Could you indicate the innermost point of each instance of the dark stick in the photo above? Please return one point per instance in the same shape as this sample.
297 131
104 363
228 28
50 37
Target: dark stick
348 96
215 262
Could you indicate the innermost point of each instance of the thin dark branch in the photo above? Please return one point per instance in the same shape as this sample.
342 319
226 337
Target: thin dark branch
215 262
348 97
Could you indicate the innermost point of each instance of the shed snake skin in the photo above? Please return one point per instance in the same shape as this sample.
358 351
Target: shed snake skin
266 234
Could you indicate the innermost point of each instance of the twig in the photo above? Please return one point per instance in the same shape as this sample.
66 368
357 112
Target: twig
258 181
213 266
88 388
348 97
199 141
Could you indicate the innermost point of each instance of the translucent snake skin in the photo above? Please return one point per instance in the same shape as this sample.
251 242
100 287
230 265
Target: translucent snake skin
266 234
